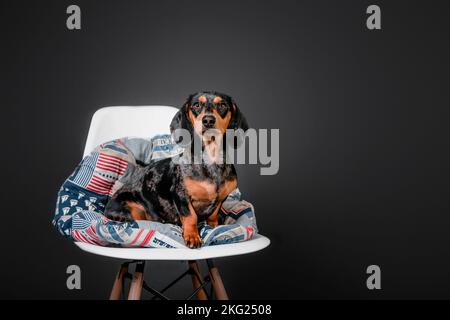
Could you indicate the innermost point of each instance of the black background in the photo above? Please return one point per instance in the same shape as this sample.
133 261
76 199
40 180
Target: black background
363 118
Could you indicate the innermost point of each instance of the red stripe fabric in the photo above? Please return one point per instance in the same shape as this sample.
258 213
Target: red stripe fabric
137 237
91 232
111 169
112 158
101 190
85 238
102 182
113 162
147 238
231 211
94 185
78 236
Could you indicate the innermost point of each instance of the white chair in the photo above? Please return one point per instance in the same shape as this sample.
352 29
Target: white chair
146 121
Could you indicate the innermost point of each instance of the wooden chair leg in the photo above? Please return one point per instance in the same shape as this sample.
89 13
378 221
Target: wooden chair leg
197 279
216 281
136 282
118 283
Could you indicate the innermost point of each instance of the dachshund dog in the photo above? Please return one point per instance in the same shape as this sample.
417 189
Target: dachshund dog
184 193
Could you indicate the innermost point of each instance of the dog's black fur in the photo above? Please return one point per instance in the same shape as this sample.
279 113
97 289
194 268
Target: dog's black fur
161 190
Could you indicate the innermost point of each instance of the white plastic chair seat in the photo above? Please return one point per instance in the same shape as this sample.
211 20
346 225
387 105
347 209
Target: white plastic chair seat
111 123
259 242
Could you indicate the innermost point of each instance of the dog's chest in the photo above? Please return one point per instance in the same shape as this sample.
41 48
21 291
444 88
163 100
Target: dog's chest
208 191
205 195
207 186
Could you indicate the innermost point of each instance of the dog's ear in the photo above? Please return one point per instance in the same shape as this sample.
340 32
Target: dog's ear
238 120
181 121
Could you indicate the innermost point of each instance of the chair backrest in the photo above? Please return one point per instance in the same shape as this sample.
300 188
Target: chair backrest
117 122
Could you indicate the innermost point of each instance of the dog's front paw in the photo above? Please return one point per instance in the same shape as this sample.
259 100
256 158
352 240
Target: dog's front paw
192 238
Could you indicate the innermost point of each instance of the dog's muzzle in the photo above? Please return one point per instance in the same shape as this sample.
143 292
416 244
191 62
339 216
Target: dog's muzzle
209 121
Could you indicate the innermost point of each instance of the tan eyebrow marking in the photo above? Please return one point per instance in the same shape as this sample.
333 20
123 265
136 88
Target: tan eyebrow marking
217 99
202 99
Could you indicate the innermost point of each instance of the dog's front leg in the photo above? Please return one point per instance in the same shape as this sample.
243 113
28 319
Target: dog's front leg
190 230
213 219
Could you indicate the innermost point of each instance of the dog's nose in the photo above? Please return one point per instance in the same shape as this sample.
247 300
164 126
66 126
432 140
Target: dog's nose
209 121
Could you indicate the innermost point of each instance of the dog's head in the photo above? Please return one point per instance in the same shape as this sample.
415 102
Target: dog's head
208 111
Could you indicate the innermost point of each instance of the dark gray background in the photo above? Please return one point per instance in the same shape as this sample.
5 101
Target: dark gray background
363 118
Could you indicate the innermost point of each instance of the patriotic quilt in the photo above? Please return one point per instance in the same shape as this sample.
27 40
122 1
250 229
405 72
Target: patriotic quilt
83 196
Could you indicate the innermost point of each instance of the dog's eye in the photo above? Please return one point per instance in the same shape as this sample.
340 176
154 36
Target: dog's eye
196 106
222 108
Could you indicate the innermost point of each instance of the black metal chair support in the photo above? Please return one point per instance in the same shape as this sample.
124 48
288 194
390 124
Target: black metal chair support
160 294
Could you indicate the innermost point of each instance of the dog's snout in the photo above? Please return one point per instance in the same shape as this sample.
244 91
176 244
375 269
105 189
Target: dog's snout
209 121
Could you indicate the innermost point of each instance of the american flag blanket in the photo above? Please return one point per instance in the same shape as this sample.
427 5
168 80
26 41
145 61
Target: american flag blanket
83 196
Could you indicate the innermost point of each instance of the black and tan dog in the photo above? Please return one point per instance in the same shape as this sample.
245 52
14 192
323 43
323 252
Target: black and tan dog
180 193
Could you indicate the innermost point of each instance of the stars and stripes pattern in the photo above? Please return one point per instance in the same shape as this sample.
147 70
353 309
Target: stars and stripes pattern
84 195
99 171
142 238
